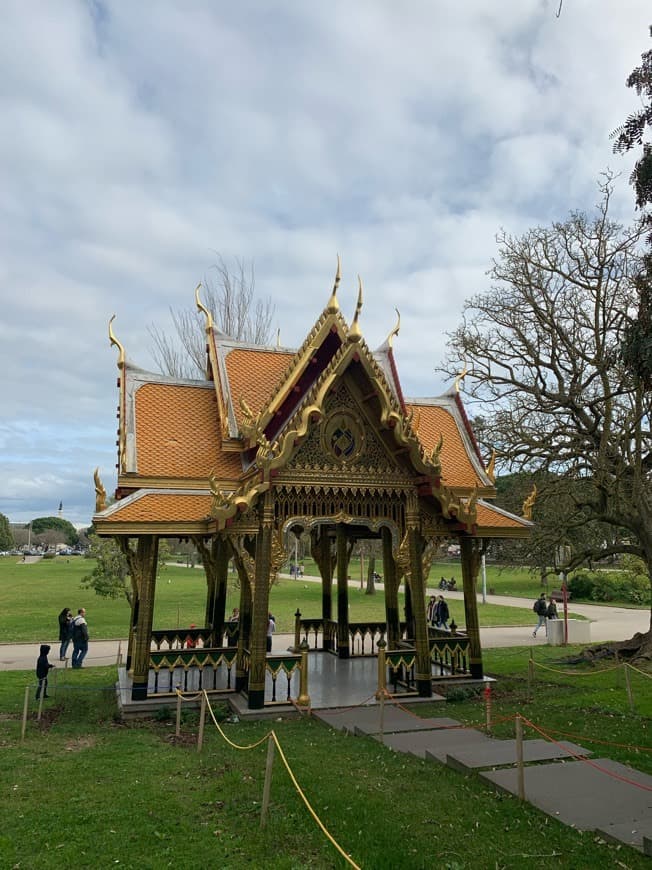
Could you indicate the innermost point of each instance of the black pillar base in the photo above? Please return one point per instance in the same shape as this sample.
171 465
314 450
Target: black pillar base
476 671
343 652
424 688
240 682
328 644
139 691
128 663
256 699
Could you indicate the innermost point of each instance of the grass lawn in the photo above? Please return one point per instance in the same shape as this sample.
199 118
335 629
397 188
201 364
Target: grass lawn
84 790
31 597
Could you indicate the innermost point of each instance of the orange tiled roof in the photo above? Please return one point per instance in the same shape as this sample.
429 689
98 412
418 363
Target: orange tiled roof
162 507
253 375
491 517
433 421
178 434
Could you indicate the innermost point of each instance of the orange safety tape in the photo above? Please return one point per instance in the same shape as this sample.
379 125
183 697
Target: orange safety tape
587 760
603 742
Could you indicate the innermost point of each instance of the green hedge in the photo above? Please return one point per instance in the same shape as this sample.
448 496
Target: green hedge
610 586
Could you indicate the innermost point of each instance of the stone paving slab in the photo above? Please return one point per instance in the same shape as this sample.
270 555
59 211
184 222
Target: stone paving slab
633 833
579 794
432 744
366 720
501 752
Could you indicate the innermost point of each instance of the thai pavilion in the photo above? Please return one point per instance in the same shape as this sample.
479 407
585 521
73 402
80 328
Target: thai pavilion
277 442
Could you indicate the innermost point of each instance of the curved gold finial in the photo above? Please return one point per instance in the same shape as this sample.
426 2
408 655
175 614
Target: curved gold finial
114 342
200 305
491 468
528 504
100 492
333 304
355 333
460 378
394 332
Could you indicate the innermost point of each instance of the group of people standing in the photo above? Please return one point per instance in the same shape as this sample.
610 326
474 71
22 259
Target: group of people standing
437 612
73 629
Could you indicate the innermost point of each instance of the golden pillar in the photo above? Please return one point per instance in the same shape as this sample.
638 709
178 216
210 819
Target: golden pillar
390 578
258 645
343 650
415 552
471 554
143 565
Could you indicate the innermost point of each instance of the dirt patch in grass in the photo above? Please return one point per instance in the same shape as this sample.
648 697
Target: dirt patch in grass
183 739
79 744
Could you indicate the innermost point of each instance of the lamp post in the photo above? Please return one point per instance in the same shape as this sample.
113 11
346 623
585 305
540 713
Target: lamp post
563 557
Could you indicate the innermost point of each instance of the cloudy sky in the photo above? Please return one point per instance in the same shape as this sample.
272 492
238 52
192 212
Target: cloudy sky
139 139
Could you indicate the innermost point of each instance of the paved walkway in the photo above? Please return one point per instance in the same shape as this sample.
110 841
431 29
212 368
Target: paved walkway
607 623
591 795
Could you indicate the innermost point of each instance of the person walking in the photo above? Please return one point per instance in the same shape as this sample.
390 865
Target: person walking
442 613
43 668
65 632
541 609
271 628
79 638
551 610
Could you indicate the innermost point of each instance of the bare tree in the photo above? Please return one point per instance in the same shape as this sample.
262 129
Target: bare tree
543 350
230 297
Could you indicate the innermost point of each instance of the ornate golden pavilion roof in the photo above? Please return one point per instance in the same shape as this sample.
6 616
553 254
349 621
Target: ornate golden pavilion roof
180 441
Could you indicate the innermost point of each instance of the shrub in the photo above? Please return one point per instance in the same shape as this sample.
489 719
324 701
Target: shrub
581 584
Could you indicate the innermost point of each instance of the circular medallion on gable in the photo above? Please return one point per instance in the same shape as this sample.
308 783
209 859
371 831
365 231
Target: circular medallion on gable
342 437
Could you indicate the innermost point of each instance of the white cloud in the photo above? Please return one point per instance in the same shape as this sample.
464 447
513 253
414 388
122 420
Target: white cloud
144 137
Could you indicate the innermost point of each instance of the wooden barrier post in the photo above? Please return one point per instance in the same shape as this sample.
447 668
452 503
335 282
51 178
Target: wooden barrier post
382 670
381 723
304 698
25 709
487 707
628 686
267 787
202 720
118 660
178 728
297 631
530 677
519 758
40 704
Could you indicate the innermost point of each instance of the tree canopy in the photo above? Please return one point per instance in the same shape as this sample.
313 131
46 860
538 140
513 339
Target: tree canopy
543 353
44 524
6 536
637 343
229 295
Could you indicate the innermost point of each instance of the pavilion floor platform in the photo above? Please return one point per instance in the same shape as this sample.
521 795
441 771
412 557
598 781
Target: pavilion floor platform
332 683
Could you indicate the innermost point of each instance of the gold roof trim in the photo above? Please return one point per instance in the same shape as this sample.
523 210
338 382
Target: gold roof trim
390 338
391 416
460 378
201 307
491 468
355 333
115 343
333 305
528 504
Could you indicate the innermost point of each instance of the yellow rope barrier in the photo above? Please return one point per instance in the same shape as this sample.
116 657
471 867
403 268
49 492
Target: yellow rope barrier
272 735
638 670
346 857
575 674
191 698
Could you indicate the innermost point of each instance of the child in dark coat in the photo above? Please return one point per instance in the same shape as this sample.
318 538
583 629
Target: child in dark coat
43 667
